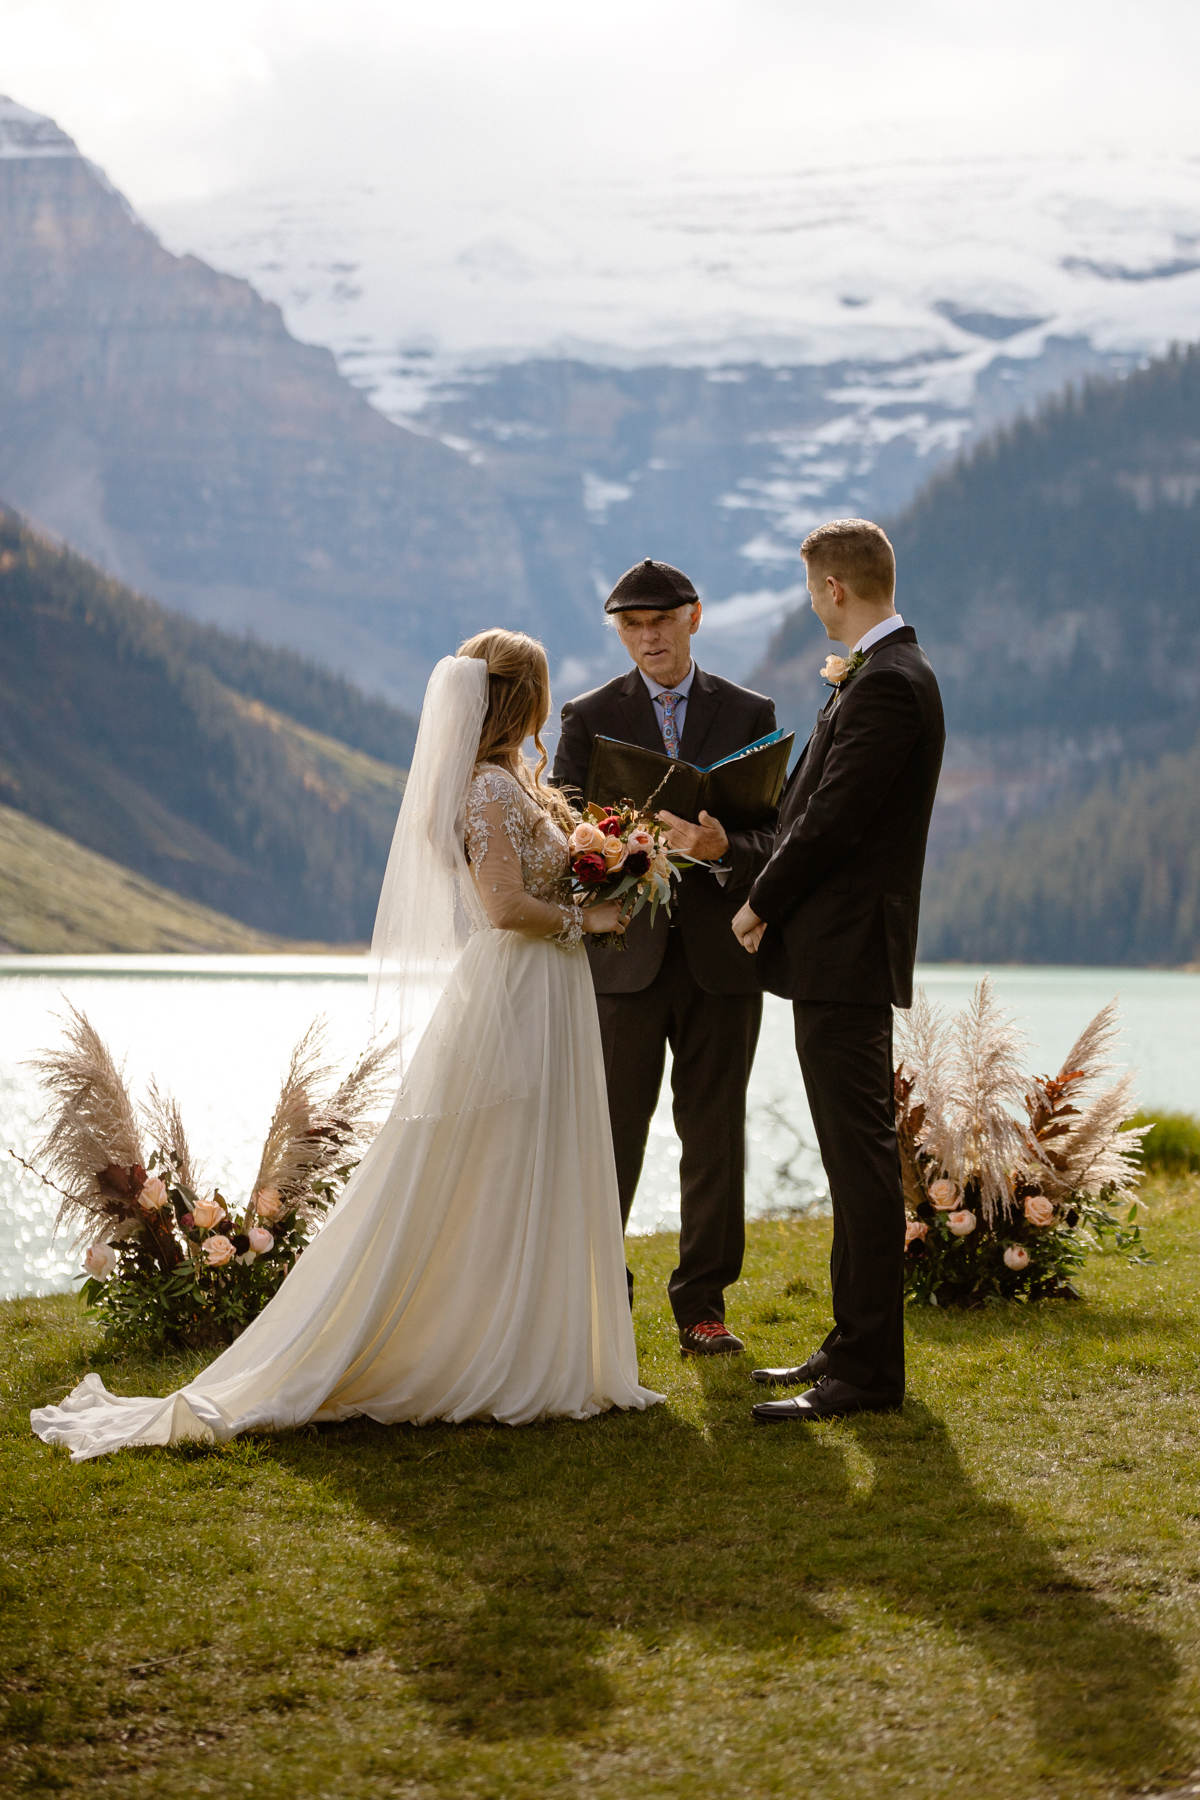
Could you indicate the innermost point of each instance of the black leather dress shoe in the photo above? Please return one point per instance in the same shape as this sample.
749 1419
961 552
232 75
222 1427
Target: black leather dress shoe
803 1375
828 1399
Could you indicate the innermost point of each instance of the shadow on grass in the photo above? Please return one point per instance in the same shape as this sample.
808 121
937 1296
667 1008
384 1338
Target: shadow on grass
543 1550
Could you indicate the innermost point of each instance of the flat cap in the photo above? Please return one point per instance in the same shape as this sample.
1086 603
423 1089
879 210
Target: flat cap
653 585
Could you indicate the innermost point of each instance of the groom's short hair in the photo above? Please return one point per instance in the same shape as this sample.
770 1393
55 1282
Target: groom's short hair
856 552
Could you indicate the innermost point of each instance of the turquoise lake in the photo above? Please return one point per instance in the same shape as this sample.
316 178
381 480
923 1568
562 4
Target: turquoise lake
217 1031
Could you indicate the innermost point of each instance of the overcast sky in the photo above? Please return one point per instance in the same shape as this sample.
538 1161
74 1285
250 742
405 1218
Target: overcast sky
179 100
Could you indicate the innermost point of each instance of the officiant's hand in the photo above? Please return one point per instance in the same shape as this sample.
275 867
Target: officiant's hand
707 841
748 928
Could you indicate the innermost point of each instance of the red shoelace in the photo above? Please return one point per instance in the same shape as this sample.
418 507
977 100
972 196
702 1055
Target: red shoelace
709 1328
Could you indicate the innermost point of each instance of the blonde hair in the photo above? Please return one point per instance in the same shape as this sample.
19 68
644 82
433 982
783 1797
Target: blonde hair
518 706
856 552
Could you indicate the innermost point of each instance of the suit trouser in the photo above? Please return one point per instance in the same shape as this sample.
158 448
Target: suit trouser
712 1039
846 1060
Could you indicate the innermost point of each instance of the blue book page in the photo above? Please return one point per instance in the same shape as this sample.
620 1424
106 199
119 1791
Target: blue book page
772 737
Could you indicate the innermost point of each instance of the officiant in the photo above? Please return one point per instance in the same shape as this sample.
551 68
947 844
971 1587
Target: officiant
687 982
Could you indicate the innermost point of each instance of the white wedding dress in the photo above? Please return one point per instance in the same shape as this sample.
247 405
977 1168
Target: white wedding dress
473 1268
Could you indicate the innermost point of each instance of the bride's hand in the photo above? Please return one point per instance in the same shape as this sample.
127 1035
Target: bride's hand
605 915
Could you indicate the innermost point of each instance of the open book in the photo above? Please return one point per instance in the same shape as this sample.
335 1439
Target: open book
741 790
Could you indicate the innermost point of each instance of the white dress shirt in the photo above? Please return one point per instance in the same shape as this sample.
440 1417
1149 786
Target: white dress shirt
884 629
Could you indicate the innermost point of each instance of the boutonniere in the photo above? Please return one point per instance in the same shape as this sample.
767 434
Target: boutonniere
839 670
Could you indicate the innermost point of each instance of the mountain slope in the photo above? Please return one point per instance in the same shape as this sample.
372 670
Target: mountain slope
159 416
57 898
1054 576
705 363
111 732
1112 881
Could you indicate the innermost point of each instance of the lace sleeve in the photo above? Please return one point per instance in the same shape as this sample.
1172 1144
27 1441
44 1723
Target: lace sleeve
497 828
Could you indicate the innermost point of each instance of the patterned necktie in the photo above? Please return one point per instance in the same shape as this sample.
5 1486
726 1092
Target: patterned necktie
670 730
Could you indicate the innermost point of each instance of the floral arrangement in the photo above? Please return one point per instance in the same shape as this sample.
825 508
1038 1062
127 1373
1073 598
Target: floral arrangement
620 853
172 1262
1010 1180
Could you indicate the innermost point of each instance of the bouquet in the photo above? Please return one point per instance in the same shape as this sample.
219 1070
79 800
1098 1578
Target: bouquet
620 853
171 1261
1010 1180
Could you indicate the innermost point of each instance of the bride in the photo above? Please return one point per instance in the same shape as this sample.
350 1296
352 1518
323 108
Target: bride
473 1267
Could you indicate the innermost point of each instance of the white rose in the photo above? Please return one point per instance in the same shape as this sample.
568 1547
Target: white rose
206 1213
154 1195
1016 1257
100 1261
962 1223
268 1203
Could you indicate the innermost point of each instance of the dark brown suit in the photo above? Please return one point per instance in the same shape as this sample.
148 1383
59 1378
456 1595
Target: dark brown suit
841 895
688 984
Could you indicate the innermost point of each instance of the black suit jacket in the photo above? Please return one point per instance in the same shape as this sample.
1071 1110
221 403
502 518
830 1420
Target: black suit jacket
841 893
720 718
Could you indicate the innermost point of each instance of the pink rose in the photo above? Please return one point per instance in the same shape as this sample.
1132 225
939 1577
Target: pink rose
641 840
962 1223
268 1203
260 1241
1016 1257
914 1231
587 836
100 1261
943 1194
206 1214
154 1195
218 1250
1039 1210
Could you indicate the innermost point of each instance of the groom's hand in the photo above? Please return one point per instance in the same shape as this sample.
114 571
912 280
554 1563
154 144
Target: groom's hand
707 841
748 928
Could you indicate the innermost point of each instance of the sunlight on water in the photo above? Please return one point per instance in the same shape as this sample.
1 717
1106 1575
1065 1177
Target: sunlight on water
217 1032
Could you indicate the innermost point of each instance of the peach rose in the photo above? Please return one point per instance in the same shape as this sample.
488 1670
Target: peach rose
614 852
268 1203
1016 1257
153 1196
587 836
100 1261
943 1194
962 1223
260 1240
661 865
219 1250
834 669
914 1231
1039 1210
206 1214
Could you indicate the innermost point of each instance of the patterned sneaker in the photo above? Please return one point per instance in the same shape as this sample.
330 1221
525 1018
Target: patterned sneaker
709 1338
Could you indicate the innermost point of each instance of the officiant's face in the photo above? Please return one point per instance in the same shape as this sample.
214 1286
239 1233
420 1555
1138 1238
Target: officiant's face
660 643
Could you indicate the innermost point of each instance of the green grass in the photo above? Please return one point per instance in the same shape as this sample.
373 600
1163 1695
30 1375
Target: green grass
1172 1145
56 898
994 1593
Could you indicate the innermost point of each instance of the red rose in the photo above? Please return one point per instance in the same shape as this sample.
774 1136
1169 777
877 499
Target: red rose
611 826
590 868
636 863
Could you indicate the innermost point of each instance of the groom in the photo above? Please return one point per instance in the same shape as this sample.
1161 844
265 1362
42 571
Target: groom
685 983
833 921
